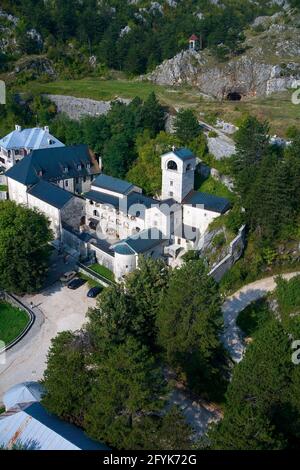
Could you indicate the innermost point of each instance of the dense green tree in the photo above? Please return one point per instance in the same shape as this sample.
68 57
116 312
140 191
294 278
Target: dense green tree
145 287
189 323
252 142
24 249
128 385
186 126
153 115
255 412
111 321
167 432
117 156
146 171
67 378
130 309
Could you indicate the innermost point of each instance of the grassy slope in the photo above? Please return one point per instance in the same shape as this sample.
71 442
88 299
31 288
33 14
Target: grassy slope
12 322
103 271
278 108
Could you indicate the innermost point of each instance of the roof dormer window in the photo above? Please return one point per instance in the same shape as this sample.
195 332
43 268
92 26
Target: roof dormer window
88 165
66 169
79 166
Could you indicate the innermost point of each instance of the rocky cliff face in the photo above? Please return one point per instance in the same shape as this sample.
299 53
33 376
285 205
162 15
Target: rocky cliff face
270 63
76 108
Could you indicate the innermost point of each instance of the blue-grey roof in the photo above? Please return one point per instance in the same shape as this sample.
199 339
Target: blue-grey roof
54 164
209 201
112 184
182 153
35 428
35 138
51 194
103 198
140 242
124 204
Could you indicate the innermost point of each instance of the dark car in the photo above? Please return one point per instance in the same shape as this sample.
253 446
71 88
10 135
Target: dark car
76 283
94 291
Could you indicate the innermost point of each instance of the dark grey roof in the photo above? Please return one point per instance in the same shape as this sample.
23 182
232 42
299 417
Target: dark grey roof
54 164
112 184
51 194
182 153
102 198
124 204
68 431
140 243
209 201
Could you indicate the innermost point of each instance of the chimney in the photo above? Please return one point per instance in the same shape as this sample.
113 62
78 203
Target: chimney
46 128
18 128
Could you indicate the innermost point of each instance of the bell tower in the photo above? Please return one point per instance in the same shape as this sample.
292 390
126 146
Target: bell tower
178 171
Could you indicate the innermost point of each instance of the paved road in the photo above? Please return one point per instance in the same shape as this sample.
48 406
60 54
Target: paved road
57 308
233 336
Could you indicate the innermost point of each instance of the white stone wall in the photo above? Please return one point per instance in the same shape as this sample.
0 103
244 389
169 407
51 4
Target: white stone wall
118 223
124 264
198 217
103 258
17 191
160 219
52 213
178 183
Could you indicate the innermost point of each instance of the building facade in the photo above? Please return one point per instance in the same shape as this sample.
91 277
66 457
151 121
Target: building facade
21 142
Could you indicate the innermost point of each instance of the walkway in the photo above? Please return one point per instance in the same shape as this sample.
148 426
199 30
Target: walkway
232 337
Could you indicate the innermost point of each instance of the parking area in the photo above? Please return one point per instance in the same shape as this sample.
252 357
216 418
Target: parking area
57 308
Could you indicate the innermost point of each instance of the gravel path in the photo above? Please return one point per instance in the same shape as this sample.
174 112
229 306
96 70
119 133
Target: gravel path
233 336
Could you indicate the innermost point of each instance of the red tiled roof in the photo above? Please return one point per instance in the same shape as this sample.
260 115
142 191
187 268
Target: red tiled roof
193 38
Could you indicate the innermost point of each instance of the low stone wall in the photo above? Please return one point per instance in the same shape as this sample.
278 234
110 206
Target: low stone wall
93 275
236 250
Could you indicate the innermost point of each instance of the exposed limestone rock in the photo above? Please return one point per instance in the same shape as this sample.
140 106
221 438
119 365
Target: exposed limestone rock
76 108
269 64
221 146
38 65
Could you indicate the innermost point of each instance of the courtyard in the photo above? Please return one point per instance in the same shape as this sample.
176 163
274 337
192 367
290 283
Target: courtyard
56 308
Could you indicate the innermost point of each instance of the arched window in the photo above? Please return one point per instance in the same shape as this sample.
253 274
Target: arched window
189 167
96 213
172 165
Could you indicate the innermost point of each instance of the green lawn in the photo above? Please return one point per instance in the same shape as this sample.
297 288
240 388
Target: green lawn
277 108
211 186
103 271
12 322
253 316
99 89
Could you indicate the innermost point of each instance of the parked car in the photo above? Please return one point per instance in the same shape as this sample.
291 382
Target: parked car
67 277
94 291
76 283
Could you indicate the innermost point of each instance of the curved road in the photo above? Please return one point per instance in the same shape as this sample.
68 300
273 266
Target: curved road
55 311
232 337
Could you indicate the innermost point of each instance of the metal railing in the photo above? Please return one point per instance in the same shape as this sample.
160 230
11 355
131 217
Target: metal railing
95 276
